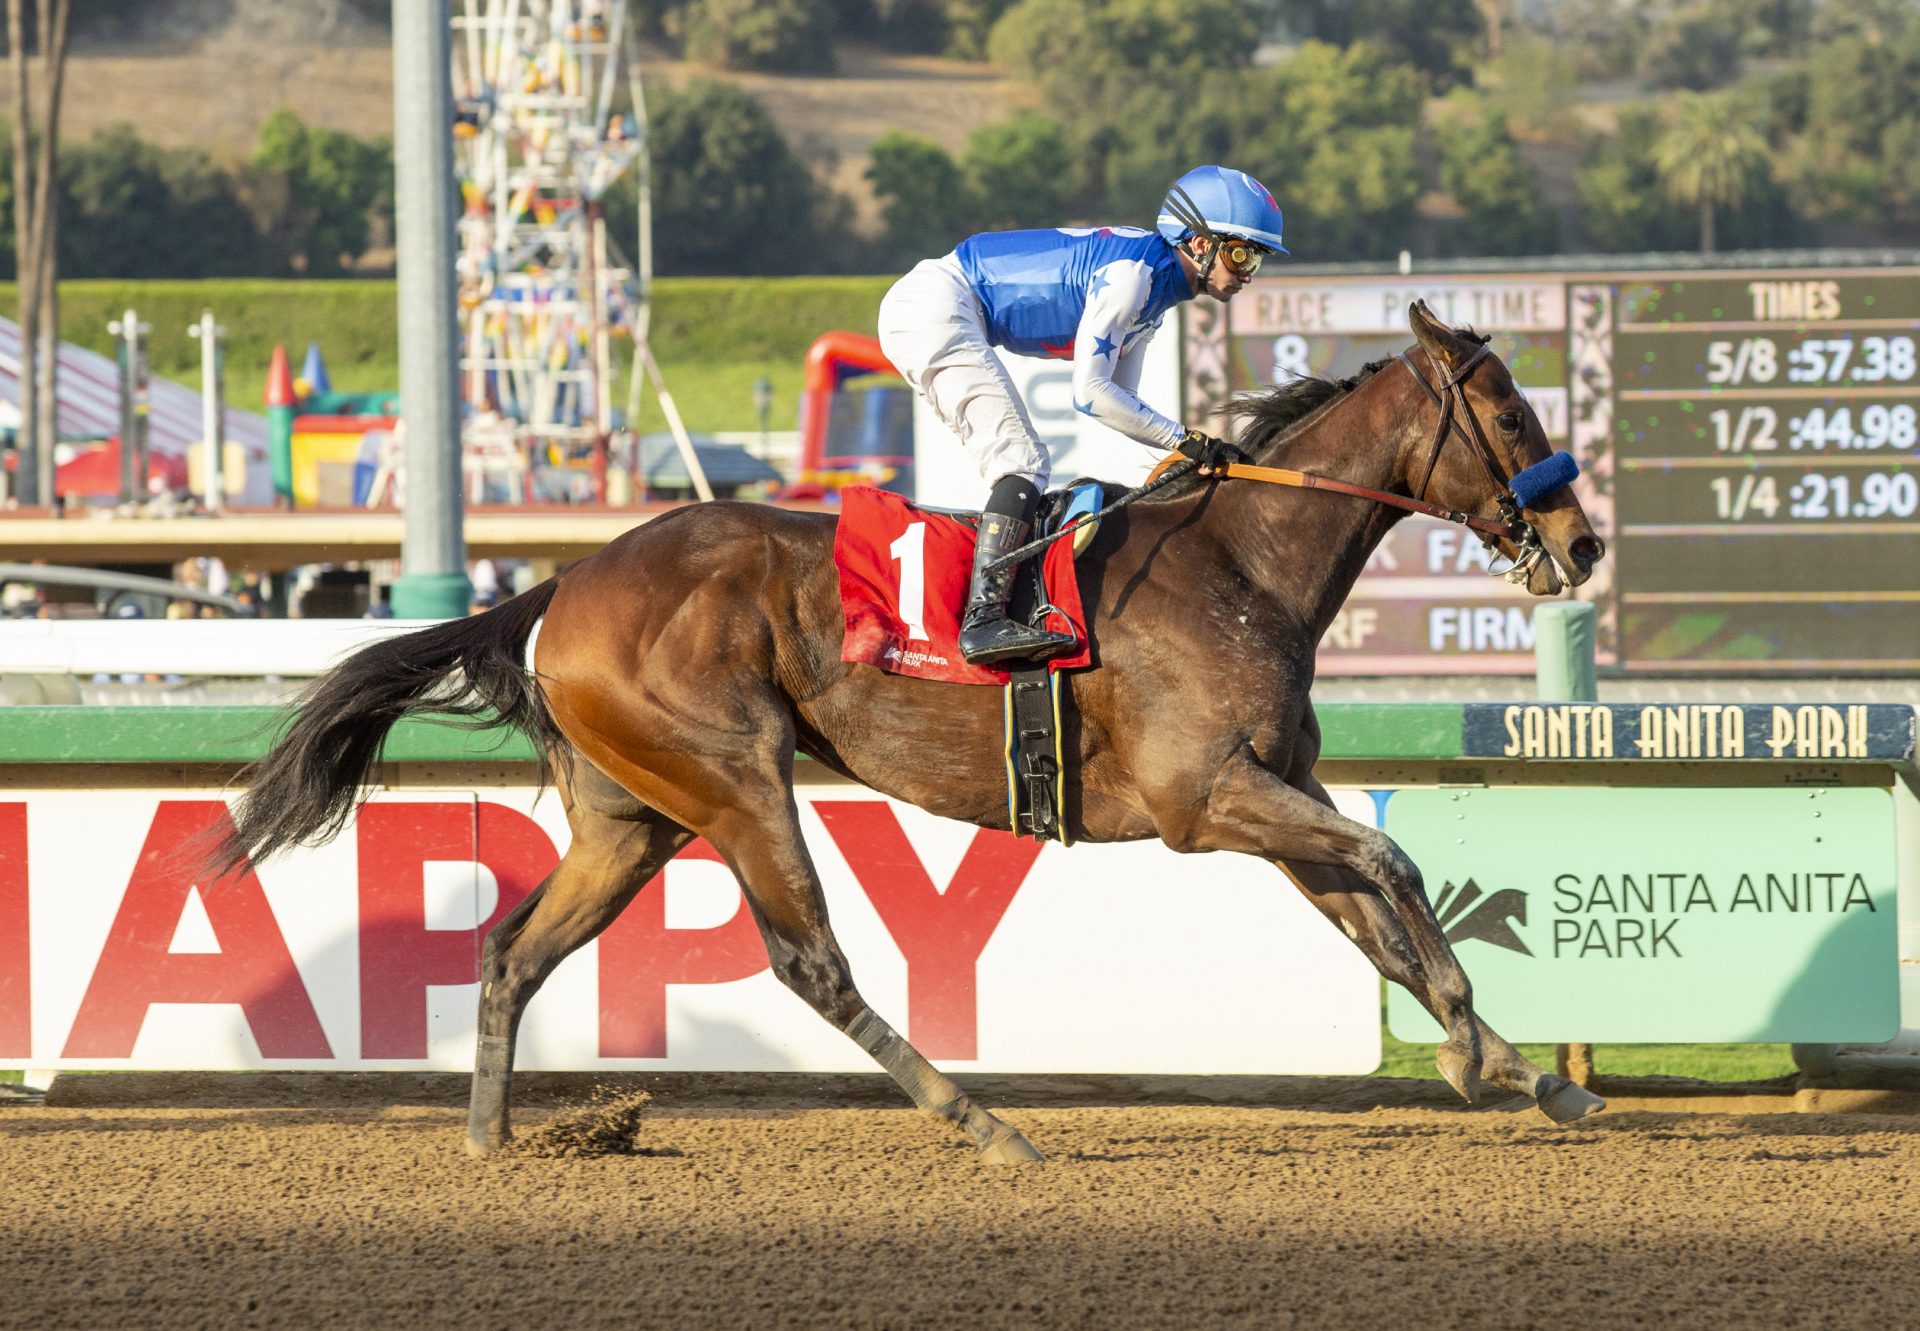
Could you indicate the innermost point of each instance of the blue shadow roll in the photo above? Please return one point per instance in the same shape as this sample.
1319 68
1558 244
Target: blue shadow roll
1543 478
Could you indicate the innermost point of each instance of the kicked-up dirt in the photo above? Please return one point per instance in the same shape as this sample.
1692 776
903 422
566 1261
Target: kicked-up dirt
624 1214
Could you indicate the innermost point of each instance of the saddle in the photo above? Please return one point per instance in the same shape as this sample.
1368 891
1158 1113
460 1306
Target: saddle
906 624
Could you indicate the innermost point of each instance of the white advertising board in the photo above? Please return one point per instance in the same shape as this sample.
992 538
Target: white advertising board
945 475
989 952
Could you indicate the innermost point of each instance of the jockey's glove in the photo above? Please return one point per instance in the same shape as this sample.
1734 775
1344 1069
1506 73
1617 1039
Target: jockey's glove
1212 453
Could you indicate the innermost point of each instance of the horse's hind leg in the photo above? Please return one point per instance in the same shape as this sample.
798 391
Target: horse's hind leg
618 845
761 840
1360 910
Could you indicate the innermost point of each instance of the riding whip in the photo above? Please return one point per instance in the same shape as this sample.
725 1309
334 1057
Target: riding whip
1173 473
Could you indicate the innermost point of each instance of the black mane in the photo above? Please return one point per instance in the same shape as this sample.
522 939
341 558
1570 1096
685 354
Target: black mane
1264 418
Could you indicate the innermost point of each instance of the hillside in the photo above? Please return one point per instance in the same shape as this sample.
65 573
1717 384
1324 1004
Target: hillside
208 73
185 80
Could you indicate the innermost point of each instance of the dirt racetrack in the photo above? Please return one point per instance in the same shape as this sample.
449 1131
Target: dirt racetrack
1150 1216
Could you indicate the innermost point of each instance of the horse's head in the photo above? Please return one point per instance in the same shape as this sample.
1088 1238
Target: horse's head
1487 455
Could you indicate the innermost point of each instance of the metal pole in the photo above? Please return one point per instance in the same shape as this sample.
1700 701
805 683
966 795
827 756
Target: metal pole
123 384
213 411
433 579
142 407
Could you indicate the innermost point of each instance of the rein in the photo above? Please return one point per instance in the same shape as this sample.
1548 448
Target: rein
1452 393
1307 480
1508 524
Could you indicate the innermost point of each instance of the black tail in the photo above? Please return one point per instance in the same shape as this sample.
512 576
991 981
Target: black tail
469 670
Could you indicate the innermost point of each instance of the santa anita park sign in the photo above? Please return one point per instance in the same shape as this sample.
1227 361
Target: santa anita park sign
1647 914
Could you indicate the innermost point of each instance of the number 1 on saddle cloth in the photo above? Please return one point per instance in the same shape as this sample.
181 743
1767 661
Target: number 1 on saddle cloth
903 571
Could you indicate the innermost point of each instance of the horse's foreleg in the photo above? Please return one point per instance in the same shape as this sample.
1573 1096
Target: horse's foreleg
611 858
1249 809
1358 908
783 890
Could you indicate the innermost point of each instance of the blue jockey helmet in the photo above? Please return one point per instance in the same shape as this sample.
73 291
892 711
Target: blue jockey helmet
1224 202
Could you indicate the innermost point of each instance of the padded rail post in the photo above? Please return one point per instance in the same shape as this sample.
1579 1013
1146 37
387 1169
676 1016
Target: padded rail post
1563 652
1564 671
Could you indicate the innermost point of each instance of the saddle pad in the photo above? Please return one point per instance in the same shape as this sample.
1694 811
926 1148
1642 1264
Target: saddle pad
903 575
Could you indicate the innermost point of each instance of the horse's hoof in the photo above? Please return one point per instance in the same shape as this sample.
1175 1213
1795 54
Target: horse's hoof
1008 1147
1461 1071
485 1146
1562 1101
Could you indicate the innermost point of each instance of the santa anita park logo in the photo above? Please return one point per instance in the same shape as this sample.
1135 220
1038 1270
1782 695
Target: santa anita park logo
1636 915
1650 913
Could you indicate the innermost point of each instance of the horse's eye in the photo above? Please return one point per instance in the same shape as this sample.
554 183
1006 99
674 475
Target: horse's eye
1509 421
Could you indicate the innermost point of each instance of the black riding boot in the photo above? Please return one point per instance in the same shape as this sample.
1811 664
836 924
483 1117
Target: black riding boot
987 636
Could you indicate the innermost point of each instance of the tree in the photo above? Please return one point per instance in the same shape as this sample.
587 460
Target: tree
1154 136
136 210
1532 76
1843 135
1621 205
1332 132
1624 207
1084 54
924 200
1037 38
729 196
1481 166
1772 27
1697 47
36 231
317 191
1436 37
792 36
1017 171
968 25
1603 36
1710 158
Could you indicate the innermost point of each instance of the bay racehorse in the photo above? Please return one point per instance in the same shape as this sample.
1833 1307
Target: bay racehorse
681 667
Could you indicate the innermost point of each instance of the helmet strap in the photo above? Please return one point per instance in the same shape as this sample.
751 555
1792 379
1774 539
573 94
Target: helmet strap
1213 256
1181 205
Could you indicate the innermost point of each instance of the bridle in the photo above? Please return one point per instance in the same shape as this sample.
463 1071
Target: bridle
1454 388
1515 528
1451 394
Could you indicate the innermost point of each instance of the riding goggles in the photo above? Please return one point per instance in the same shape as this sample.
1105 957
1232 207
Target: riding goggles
1242 257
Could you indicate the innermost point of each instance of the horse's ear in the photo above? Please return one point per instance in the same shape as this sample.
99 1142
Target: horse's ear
1445 346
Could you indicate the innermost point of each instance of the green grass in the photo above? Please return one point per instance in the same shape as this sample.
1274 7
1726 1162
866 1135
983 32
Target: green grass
713 337
718 395
1702 1062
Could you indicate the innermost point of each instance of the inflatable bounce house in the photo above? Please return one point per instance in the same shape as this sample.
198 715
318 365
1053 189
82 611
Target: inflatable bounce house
847 437
330 450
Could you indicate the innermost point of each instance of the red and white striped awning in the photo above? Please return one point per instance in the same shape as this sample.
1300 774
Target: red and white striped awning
90 402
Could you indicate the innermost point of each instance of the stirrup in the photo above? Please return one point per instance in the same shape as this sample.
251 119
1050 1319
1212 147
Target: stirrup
992 637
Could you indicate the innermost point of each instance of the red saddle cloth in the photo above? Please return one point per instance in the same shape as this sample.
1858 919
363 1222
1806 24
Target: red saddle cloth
903 576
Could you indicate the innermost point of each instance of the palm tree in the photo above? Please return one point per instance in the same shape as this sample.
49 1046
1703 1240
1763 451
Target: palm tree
1710 158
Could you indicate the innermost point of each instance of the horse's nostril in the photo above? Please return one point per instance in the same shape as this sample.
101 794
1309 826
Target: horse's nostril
1586 551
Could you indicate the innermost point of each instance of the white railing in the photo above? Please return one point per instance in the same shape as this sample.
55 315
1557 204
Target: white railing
225 648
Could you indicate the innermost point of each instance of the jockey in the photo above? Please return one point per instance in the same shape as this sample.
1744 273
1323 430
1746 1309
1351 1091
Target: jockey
1092 295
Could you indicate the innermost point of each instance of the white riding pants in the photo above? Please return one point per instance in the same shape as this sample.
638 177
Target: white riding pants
932 329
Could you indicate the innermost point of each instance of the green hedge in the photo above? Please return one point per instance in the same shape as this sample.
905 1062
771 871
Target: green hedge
712 336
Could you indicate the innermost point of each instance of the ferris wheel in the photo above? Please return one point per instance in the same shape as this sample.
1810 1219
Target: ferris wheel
538 141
